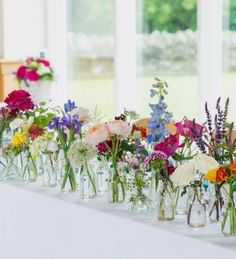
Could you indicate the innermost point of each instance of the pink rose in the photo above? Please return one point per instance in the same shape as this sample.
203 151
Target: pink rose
97 134
119 127
82 113
32 75
44 62
21 72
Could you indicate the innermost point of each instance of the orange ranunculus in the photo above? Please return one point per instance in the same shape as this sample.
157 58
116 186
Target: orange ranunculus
142 130
232 167
216 175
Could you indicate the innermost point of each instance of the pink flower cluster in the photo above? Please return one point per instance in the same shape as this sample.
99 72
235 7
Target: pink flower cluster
153 156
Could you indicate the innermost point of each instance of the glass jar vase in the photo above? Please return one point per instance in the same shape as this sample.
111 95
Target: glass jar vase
49 170
196 208
88 187
102 175
166 201
180 201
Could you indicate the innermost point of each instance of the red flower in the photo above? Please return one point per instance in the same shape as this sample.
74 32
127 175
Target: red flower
104 146
32 75
21 72
19 100
35 131
169 145
221 175
44 62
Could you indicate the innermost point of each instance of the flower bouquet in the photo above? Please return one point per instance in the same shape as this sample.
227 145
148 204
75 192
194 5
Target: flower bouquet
35 76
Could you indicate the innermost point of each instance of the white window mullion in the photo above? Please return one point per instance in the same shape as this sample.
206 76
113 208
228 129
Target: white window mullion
57 46
209 52
125 55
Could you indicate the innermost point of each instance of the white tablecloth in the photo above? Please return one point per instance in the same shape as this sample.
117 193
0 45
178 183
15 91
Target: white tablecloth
38 223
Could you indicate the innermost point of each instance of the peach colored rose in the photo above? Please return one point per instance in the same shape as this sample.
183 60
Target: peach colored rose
97 134
119 127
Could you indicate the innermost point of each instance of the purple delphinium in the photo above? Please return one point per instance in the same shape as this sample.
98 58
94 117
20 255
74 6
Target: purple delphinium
69 106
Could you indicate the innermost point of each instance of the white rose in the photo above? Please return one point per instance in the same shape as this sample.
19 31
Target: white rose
183 174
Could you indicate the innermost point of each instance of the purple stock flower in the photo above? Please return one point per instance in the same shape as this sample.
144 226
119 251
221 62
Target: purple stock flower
69 106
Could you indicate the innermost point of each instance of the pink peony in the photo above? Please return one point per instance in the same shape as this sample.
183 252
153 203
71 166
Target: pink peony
21 72
188 128
32 75
169 145
119 127
44 62
97 134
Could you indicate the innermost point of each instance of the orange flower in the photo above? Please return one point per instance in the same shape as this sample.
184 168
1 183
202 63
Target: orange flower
211 175
232 167
142 130
221 175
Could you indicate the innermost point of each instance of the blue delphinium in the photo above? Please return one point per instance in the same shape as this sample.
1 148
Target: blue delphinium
159 114
69 106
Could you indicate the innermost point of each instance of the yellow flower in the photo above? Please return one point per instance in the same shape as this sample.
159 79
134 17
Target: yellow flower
211 175
18 139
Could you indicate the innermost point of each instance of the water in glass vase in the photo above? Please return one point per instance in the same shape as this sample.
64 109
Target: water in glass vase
50 170
102 176
166 202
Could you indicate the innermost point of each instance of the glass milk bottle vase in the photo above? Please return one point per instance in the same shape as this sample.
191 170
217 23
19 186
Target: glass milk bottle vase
116 185
88 187
50 169
180 201
216 202
196 208
102 175
228 219
166 201
139 201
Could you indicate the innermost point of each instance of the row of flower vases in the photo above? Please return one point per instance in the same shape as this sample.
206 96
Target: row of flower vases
101 177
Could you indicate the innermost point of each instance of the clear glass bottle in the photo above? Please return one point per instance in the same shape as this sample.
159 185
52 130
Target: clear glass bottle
180 201
50 170
102 175
116 185
228 219
216 203
88 187
196 208
166 202
139 201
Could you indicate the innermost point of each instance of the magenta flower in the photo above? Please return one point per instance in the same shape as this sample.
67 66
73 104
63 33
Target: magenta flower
44 62
155 154
32 75
169 145
21 72
189 128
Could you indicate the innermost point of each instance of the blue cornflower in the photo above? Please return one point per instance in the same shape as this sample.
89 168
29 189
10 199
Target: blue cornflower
69 106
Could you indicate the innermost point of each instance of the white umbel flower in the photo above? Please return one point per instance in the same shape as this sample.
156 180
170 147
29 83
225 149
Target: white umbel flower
81 152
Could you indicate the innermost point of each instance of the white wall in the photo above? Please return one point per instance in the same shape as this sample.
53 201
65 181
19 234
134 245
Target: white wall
24 27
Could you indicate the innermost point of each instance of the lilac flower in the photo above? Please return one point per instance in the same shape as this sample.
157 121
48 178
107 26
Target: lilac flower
69 106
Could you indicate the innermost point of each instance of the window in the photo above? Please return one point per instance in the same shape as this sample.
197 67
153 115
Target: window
91 53
167 49
229 53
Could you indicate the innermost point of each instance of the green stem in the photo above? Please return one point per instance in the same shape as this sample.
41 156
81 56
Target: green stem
91 179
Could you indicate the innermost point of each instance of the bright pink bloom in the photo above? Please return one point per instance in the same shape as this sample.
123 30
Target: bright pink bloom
21 72
169 145
44 62
29 60
188 128
32 75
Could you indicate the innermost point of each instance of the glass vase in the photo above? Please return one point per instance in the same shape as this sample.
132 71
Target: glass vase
216 202
12 169
196 208
116 186
180 202
28 167
102 175
139 201
68 179
49 170
153 185
166 202
228 219
88 187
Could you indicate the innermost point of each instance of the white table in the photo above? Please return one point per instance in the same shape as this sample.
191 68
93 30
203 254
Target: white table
38 223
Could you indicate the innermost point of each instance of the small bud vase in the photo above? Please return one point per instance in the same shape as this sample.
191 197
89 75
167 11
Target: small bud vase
228 219
216 203
116 186
196 208
102 175
180 201
88 187
49 170
166 202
